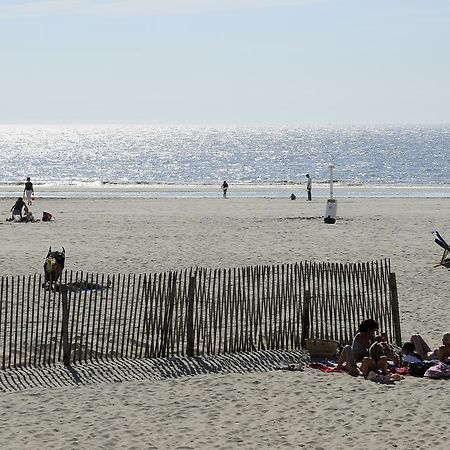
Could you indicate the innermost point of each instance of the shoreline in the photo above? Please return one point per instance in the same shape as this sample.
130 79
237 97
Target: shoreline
99 190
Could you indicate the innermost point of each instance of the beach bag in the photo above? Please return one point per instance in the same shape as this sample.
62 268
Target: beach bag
46 217
418 369
438 370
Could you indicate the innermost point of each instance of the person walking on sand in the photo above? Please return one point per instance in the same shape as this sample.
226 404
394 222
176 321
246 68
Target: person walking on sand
224 189
28 191
308 186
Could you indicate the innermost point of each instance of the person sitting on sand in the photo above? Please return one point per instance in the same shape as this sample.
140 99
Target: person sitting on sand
29 217
351 355
409 354
442 353
376 361
17 208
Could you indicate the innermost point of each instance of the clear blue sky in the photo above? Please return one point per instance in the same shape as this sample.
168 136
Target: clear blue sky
225 62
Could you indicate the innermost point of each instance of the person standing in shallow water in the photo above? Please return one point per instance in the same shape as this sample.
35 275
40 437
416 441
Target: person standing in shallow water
224 189
308 186
28 191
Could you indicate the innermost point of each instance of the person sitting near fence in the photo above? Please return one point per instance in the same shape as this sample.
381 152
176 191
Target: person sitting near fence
376 361
442 353
409 354
355 353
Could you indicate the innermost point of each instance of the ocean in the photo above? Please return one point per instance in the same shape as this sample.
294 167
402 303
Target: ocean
161 161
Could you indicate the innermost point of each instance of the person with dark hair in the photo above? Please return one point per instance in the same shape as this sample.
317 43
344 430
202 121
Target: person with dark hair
409 354
17 208
352 354
224 189
308 186
376 361
28 191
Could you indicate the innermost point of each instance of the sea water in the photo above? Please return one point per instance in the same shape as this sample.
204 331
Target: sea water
193 161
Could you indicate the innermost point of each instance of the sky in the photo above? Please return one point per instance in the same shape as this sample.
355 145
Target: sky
225 62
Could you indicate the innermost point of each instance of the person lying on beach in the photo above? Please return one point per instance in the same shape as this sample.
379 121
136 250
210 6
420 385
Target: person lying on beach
376 361
409 354
355 353
442 353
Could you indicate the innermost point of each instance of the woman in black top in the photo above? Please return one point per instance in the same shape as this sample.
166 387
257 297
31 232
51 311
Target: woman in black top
224 189
18 206
28 191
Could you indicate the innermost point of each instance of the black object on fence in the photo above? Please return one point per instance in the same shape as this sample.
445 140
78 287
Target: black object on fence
191 312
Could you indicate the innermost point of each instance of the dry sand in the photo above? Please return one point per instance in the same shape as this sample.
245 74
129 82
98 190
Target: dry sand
261 410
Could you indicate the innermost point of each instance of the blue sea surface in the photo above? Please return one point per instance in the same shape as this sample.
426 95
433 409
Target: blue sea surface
164 155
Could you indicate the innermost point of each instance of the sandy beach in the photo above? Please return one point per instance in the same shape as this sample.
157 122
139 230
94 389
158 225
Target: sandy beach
276 409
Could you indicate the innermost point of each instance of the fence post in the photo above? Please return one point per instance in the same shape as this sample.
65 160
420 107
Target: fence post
168 307
394 307
65 326
190 316
305 318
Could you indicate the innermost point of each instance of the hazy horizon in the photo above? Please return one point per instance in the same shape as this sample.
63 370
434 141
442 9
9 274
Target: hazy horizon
225 63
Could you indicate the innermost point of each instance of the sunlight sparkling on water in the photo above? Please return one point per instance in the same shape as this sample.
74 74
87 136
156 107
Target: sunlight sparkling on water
185 155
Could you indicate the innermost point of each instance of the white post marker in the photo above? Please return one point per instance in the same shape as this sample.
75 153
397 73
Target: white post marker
331 208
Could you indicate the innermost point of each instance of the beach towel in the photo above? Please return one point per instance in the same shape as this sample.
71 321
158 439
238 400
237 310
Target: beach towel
325 368
418 369
439 370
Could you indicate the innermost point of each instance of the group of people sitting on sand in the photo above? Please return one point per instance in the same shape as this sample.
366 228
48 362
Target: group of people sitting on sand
21 213
370 354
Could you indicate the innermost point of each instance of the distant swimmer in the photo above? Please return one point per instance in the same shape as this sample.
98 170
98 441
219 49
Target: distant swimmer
28 191
224 189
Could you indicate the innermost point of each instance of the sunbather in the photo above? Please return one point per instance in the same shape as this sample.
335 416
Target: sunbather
359 349
376 361
409 354
442 353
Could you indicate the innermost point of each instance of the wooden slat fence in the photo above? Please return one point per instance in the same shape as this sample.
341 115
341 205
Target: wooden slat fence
190 312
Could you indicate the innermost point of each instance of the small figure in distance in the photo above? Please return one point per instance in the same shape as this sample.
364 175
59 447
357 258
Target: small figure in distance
293 196
308 186
17 208
28 191
224 189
